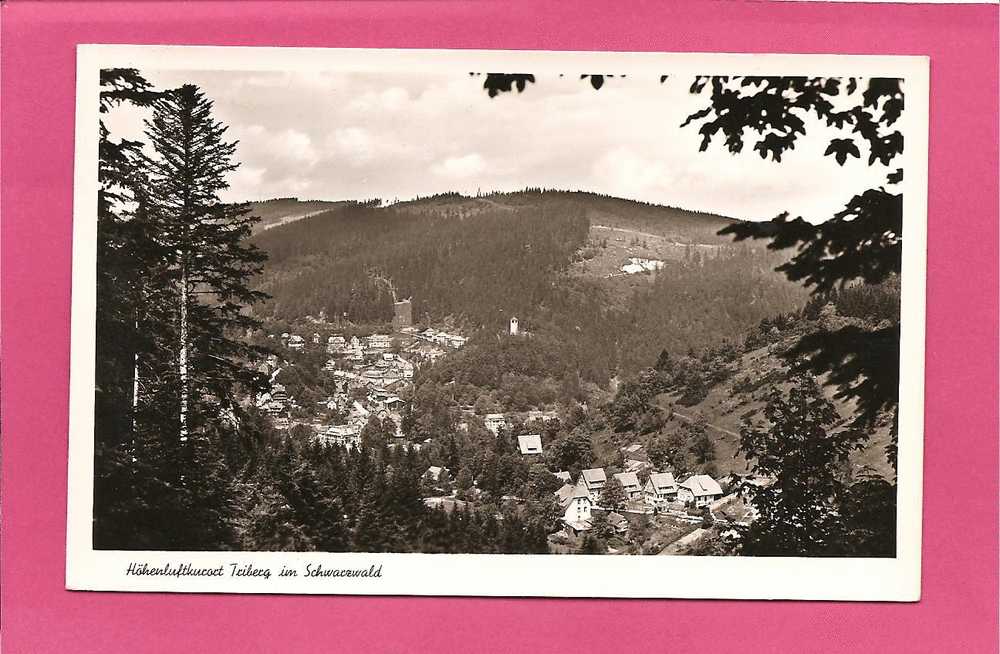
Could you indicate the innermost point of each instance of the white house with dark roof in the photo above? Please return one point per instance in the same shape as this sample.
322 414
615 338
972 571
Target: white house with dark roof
576 505
700 490
660 488
529 444
630 482
593 481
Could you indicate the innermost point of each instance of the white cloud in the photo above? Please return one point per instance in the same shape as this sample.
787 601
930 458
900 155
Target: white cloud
391 100
247 177
636 176
356 135
464 167
288 145
354 144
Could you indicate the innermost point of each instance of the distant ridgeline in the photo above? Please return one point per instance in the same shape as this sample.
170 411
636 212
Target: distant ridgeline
481 260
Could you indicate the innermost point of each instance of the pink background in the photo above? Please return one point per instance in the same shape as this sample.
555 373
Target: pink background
959 609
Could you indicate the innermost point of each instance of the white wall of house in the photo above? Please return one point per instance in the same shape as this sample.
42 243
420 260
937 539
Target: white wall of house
578 509
685 495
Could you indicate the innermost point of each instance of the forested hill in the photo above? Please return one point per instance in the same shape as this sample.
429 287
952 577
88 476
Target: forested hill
474 267
679 225
549 258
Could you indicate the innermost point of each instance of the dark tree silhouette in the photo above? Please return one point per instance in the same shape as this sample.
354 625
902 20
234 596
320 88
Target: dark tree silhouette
861 242
796 447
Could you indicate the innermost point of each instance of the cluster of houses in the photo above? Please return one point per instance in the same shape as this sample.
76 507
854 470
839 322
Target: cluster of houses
385 370
498 421
380 364
381 403
453 341
277 403
355 348
661 491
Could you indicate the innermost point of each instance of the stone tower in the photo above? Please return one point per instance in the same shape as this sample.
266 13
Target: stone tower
402 315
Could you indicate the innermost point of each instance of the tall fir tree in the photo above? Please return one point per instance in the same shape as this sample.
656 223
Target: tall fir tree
129 262
205 366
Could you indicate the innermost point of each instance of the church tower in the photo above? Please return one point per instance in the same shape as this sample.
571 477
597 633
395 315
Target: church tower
513 326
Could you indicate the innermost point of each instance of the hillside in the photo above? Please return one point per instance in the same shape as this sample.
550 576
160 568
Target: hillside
667 222
540 256
744 396
280 211
716 390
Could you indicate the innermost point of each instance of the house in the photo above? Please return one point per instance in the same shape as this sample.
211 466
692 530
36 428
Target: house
296 342
630 482
576 505
457 341
434 473
530 443
495 422
406 368
345 435
618 522
536 414
593 481
660 488
379 341
563 475
699 490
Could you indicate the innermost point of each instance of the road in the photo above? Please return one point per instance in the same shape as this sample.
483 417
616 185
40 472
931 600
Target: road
681 544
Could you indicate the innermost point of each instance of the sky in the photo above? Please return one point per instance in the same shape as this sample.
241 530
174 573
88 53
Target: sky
337 136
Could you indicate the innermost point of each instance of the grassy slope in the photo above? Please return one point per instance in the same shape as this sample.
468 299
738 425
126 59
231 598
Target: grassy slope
724 409
273 213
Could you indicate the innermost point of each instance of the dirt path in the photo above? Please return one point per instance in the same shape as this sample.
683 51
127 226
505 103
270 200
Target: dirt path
635 233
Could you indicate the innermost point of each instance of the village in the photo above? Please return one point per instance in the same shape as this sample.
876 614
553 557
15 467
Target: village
633 506
638 509
369 374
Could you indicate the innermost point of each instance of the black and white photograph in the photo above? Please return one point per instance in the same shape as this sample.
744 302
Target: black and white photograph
337 309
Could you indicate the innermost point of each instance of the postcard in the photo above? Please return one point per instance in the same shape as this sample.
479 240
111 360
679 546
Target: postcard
498 323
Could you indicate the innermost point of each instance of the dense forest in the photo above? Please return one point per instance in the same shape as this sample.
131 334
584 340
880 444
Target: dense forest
479 270
479 261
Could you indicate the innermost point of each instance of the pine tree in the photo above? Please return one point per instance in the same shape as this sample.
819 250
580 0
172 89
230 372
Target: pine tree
204 366
129 263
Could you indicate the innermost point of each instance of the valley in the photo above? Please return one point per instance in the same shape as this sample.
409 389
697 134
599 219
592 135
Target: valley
587 327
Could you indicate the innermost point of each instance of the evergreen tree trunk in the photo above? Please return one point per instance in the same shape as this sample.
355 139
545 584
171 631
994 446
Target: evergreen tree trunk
182 358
